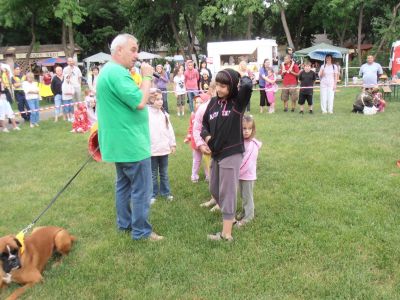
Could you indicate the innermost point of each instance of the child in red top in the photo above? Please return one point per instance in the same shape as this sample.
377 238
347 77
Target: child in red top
81 121
197 155
289 71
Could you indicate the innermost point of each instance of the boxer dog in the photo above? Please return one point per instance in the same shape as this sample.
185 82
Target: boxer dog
23 261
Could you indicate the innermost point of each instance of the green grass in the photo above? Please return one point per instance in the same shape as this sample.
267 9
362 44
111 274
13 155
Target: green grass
327 214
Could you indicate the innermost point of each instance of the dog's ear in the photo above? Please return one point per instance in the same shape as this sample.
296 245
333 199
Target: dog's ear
18 243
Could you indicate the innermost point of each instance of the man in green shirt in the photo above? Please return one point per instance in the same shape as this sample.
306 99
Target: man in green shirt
124 135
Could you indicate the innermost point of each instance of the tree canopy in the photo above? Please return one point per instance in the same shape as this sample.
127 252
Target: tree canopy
185 25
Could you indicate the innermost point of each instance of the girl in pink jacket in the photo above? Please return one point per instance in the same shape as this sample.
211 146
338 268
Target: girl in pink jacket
197 155
163 143
248 172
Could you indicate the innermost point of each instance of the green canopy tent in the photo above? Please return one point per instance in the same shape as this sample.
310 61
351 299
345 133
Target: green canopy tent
322 46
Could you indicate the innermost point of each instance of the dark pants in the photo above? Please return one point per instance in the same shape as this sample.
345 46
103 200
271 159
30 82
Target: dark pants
22 105
165 99
8 95
263 97
159 165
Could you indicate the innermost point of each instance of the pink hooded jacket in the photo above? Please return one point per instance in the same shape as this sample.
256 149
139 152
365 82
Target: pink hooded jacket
248 168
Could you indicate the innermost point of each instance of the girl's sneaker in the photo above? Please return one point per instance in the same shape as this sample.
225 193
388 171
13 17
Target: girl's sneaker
209 203
152 201
17 128
215 208
170 198
5 129
219 236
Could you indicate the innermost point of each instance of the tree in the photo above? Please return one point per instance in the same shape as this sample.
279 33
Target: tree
337 18
387 31
16 13
280 6
70 13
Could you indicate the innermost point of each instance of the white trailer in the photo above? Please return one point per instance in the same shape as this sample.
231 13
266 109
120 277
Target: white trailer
222 55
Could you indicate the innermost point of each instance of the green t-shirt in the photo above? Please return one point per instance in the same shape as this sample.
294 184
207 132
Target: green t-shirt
123 130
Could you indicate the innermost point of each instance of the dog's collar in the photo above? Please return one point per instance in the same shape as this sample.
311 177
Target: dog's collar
21 239
7 278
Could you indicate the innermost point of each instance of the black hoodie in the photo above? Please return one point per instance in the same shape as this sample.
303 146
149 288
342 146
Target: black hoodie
223 118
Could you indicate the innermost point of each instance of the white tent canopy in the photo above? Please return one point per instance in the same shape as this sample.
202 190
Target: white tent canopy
146 55
100 57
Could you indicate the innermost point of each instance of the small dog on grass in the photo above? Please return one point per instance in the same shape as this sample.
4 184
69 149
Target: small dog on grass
24 261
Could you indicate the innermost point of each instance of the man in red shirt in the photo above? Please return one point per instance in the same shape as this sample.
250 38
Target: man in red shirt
191 83
289 71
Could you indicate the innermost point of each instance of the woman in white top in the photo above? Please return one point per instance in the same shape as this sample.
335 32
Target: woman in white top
329 74
31 89
180 91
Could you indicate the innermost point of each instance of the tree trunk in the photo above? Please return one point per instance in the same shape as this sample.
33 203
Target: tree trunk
191 48
249 25
33 40
64 39
299 30
285 25
342 34
360 21
71 37
193 34
383 40
175 32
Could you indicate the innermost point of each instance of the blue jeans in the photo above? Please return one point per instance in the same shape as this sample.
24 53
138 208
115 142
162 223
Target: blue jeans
159 165
191 95
132 197
68 108
34 105
57 103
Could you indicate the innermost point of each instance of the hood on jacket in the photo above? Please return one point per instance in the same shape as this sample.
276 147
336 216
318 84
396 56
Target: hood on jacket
231 78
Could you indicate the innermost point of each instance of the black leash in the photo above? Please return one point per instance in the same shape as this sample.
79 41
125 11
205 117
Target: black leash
58 194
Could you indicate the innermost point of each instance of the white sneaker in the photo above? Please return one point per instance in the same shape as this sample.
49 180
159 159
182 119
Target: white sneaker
5 130
170 198
17 128
152 201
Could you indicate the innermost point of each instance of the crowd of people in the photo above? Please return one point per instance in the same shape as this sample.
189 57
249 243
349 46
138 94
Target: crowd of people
64 87
136 133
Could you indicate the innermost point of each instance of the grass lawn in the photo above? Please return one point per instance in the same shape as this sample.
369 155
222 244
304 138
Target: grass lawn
327 214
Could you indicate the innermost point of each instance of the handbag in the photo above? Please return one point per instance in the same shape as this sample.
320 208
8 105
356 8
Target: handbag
370 110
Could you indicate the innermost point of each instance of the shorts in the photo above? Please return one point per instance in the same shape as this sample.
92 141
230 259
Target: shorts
68 109
304 97
180 100
6 111
287 91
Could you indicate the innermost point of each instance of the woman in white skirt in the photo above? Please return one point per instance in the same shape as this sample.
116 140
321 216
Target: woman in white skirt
6 111
329 74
